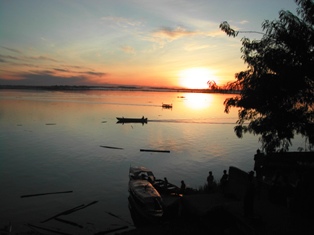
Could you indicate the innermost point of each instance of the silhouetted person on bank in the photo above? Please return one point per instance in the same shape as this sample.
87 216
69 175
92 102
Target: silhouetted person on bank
210 181
165 184
224 181
183 187
259 159
249 196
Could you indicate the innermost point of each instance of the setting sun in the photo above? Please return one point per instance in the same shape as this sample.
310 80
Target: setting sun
195 78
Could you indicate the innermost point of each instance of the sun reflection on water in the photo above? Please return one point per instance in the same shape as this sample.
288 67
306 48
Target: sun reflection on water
198 101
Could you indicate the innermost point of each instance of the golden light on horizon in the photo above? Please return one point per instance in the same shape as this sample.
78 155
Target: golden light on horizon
197 101
196 78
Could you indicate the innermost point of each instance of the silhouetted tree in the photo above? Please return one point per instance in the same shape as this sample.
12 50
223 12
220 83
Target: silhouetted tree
212 85
277 89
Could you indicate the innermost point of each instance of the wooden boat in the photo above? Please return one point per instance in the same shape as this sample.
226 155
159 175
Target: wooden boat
166 189
166 106
140 173
132 120
143 173
143 196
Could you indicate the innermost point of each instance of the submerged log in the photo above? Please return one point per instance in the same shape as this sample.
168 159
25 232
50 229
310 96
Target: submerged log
42 194
110 147
111 230
69 222
109 213
47 229
80 207
154 150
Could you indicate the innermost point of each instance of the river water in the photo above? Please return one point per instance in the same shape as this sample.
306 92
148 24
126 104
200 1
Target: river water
51 141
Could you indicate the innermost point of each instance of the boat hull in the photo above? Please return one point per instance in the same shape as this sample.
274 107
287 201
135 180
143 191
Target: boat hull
131 120
146 200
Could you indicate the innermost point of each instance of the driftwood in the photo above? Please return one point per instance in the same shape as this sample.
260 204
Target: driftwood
109 213
111 230
47 229
153 150
42 194
69 222
80 207
109 147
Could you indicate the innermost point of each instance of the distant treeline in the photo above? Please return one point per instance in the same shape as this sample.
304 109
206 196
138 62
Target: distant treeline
116 88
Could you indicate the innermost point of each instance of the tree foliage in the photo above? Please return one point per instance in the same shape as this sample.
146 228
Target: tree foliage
212 85
277 89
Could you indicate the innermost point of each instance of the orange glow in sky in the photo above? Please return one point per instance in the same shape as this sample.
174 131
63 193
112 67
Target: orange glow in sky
196 78
143 43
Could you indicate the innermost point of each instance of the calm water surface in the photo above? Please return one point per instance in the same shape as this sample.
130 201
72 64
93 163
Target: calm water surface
50 142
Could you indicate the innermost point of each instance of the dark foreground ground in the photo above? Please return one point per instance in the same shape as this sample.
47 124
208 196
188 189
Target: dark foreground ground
276 211
217 214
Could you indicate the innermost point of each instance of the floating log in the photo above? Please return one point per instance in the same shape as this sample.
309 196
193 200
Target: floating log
110 147
51 124
69 222
80 207
109 213
47 229
42 194
153 150
64 213
111 230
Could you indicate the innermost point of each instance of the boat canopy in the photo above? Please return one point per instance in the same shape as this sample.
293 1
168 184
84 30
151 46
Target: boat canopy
141 173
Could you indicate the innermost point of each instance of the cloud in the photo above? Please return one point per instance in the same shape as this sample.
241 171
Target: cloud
61 70
41 58
45 78
13 50
52 77
121 21
85 73
195 47
172 34
4 57
167 34
128 49
93 73
243 22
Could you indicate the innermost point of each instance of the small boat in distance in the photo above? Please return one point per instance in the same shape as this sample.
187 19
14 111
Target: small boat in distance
132 120
166 106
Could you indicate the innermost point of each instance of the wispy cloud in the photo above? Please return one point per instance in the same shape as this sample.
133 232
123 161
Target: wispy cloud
243 22
49 78
84 73
42 58
121 21
61 70
45 78
195 47
8 57
93 73
12 50
128 49
173 33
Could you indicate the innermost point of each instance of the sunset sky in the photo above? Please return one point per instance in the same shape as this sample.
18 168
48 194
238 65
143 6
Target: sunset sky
165 43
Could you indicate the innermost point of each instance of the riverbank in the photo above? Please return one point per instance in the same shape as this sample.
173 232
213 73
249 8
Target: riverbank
218 213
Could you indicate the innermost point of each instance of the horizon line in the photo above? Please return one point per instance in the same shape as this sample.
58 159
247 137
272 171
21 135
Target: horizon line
117 88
